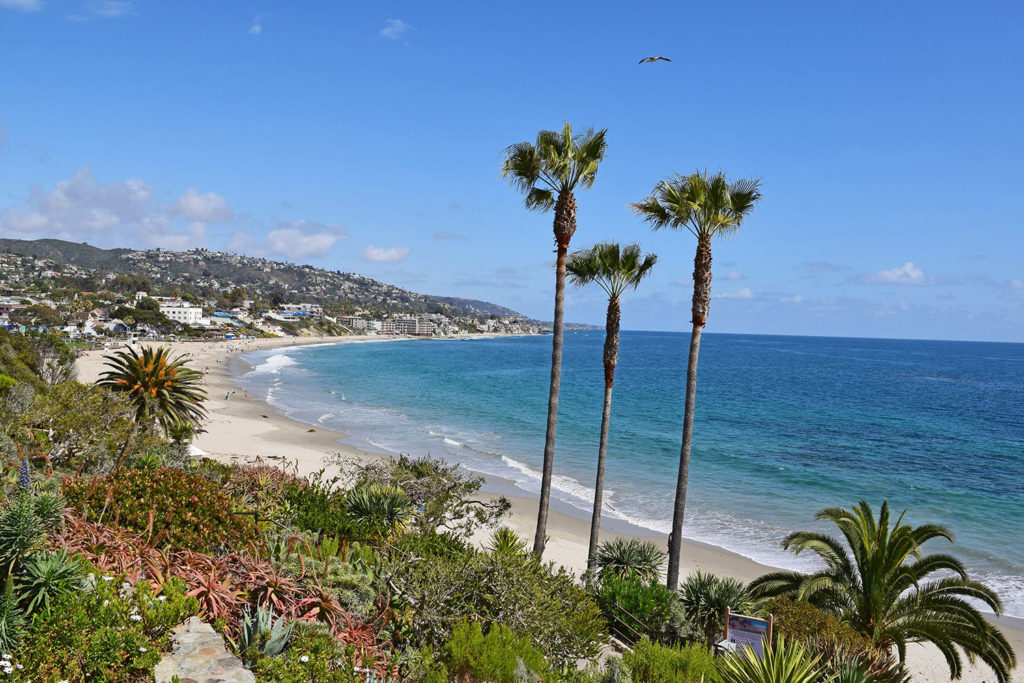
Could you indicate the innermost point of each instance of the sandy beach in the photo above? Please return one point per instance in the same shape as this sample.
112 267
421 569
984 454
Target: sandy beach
243 428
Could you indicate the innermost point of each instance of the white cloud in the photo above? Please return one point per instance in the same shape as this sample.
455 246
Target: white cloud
907 274
382 255
209 207
178 240
795 299
744 293
394 29
446 235
23 5
110 8
734 275
290 239
257 27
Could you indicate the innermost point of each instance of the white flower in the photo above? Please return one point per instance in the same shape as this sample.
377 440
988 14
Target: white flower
162 598
5 656
136 617
108 578
303 659
18 666
142 649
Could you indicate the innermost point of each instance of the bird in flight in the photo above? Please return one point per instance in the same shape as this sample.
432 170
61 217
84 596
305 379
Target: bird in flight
654 59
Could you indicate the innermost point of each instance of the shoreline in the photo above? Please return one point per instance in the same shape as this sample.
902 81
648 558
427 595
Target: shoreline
244 429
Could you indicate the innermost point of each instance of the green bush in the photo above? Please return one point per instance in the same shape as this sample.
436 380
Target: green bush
651 662
46 577
630 557
705 598
317 508
631 606
314 656
802 622
500 656
101 634
171 507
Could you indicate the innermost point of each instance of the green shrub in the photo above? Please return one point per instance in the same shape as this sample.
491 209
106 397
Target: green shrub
630 557
379 510
102 635
12 622
318 509
802 622
632 606
24 524
314 656
169 506
500 656
46 577
651 662
705 597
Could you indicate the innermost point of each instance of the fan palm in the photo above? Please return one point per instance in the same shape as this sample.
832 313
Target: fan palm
549 172
882 585
164 391
616 269
707 206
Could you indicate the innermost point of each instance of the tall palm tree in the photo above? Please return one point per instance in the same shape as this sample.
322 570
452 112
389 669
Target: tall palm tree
549 172
615 269
164 391
881 584
708 206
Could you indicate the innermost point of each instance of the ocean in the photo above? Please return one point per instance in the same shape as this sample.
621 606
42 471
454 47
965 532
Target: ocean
784 427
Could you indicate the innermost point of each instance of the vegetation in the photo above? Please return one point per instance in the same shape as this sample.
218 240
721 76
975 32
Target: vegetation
615 269
549 172
630 557
882 585
707 206
705 598
651 662
782 663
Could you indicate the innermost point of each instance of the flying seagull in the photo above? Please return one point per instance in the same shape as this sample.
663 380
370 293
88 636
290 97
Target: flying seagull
654 59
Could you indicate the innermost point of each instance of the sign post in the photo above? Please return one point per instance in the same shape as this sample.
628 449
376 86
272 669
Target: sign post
742 631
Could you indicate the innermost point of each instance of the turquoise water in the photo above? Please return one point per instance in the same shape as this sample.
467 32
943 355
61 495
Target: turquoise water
784 426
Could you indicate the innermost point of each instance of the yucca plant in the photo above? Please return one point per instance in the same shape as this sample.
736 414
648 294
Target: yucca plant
261 634
381 510
47 576
781 663
630 557
505 541
165 391
705 598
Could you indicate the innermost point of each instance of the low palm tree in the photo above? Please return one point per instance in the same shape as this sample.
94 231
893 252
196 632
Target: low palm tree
165 391
615 269
630 557
549 172
707 206
705 597
881 584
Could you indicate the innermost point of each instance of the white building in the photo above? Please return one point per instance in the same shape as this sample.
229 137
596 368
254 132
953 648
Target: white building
182 312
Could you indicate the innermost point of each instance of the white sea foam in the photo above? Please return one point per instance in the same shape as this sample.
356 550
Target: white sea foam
324 417
273 364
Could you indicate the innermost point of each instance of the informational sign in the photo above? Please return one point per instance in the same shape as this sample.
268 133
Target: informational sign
747 632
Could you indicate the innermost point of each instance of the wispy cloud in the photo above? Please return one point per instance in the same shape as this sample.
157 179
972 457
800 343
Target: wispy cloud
795 299
907 274
734 275
394 29
385 255
110 8
745 293
23 5
447 235
820 267
257 26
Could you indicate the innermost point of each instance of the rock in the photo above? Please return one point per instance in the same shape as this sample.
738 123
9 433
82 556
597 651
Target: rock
199 656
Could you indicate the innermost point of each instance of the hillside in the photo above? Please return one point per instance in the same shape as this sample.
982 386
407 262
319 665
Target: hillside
201 271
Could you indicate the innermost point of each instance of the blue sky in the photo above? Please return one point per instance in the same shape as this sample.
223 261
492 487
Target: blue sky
367 137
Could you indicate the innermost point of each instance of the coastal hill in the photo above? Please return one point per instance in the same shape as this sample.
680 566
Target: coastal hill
203 271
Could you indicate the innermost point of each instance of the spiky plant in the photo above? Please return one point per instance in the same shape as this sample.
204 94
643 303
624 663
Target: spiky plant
165 391
12 622
549 172
878 580
261 634
381 510
782 663
705 598
707 206
505 541
47 576
624 557
616 270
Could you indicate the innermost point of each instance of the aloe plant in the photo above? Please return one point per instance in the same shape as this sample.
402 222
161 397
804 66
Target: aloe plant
781 663
262 634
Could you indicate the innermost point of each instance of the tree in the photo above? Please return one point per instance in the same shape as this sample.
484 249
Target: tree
882 585
708 207
615 269
164 391
548 172
148 304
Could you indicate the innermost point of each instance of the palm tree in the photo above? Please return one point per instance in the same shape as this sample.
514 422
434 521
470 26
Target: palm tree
164 391
882 585
706 206
616 270
549 172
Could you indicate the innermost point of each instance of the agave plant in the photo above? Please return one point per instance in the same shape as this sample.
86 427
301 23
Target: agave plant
164 391
47 576
381 510
505 541
705 598
782 663
630 557
261 633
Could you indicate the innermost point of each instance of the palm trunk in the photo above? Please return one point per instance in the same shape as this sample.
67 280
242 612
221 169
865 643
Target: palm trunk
564 227
611 357
701 305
